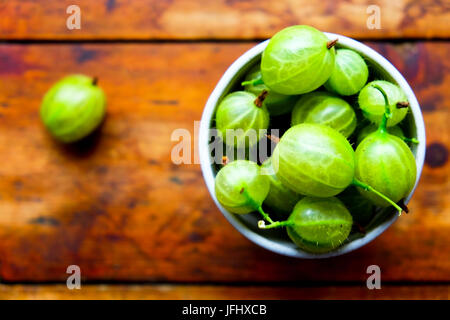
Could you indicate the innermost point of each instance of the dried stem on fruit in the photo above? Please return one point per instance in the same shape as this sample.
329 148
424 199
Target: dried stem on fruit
402 104
225 160
260 99
332 43
402 204
272 138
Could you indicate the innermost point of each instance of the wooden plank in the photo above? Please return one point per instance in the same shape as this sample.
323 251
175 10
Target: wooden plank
117 207
194 292
220 19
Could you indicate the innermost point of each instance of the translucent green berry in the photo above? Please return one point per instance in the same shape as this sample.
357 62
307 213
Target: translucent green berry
372 103
297 60
386 163
349 75
325 108
314 160
319 225
240 187
240 119
73 108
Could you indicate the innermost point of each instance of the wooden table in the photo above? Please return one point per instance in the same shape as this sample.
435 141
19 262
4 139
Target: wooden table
140 226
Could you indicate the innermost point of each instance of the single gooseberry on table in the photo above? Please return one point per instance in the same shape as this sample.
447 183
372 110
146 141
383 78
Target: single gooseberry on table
297 60
73 108
325 108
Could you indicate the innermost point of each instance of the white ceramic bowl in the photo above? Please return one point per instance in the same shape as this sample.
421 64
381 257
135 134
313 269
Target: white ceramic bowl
275 240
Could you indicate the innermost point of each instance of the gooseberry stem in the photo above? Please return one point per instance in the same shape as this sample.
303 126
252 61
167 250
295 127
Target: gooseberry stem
225 160
265 215
412 140
277 224
331 43
387 111
273 138
256 205
253 82
366 187
402 104
94 81
403 206
260 99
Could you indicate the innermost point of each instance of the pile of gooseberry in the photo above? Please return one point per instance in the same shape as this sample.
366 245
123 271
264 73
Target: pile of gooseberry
343 154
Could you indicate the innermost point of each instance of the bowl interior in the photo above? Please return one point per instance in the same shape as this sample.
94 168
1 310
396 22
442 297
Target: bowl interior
276 239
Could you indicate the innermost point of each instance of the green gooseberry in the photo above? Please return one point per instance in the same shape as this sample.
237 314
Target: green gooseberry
240 187
385 162
316 160
361 209
325 108
372 103
297 60
276 103
73 108
349 75
316 225
280 198
241 117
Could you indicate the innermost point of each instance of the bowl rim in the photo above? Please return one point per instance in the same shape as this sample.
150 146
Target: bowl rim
207 169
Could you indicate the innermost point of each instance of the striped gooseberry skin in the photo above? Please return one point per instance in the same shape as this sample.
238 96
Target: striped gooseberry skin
239 113
276 103
395 130
73 108
314 160
319 224
386 163
280 198
297 60
232 178
349 75
325 108
372 104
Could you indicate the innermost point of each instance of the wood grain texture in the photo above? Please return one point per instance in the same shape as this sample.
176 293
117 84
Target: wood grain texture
220 19
116 205
195 292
